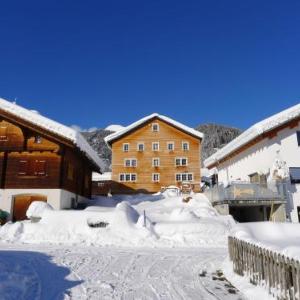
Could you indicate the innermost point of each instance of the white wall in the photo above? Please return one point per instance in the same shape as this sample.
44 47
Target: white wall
57 198
260 158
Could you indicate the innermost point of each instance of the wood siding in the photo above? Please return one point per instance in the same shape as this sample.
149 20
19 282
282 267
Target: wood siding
31 159
15 180
144 169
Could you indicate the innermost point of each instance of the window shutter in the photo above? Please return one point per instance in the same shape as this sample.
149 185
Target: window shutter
23 167
40 168
3 133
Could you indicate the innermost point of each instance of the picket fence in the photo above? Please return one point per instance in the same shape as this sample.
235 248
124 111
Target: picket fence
279 274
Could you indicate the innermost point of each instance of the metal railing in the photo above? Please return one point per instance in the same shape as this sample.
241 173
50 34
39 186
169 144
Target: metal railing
278 274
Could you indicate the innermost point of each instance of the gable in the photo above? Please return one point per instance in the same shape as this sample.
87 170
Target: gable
129 130
166 133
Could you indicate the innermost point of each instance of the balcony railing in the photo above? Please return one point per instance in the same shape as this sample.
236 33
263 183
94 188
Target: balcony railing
238 191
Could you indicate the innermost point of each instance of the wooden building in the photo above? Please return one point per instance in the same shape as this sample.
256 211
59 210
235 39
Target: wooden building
152 153
41 159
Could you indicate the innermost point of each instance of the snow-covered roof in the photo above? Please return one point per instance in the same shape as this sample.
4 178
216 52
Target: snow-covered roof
106 176
132 126
253 132
66 132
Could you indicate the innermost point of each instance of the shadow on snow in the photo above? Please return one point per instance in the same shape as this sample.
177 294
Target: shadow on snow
32 275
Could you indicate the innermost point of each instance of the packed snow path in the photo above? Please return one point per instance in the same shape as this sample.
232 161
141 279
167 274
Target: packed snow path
59 272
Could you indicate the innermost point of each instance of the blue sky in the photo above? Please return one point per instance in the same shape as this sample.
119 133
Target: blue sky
95 63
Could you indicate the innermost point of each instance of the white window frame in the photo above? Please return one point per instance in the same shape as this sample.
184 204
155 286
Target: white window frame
153 143
126 175
124 144
138 148
131 177
188 145
173 146
152 127
187 174
153 177
153 159
181 159
121 174
130 162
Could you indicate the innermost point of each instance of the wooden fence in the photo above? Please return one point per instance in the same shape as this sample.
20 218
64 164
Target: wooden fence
279 274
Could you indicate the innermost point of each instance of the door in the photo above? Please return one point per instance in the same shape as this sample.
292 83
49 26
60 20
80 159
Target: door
21 204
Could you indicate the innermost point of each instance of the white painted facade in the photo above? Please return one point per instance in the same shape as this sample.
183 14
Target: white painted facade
260 158
57 198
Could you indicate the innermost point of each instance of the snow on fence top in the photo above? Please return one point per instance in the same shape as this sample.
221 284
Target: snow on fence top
181 126
253 132
66 132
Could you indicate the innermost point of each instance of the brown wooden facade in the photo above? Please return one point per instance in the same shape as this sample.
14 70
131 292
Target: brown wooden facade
34 158
145 167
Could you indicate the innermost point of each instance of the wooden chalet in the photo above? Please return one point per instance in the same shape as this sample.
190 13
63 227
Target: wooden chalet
41 159
153 153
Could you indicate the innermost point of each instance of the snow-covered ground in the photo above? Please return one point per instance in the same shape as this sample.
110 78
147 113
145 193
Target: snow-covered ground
60 272
112 250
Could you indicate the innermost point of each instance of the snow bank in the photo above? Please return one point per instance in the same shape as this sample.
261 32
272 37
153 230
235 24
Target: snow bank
137 220
37 208
283 238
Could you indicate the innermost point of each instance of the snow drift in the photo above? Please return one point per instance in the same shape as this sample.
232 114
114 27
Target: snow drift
140 220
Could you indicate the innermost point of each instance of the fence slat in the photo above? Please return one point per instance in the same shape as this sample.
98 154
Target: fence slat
278 274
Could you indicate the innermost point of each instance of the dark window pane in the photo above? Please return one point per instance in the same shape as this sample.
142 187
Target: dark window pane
298 137
295 175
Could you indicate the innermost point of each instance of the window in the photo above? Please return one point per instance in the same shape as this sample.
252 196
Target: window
140 147
130 162
125 147
155 177
170 146
127 177
185 146
254 178
40 168
122 177
298 137
23 167
155 146
37 139
133 177
155 127
32 167
3 133
181 161
178 177
295 175
155 162
258 178
184 177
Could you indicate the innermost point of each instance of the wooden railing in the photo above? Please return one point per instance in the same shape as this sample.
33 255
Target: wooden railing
279 274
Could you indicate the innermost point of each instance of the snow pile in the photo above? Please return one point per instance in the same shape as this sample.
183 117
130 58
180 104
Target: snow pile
37 208
134 220
283 238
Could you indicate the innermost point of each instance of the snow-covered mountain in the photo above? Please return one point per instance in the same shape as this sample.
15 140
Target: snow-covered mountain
114 127
216 137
